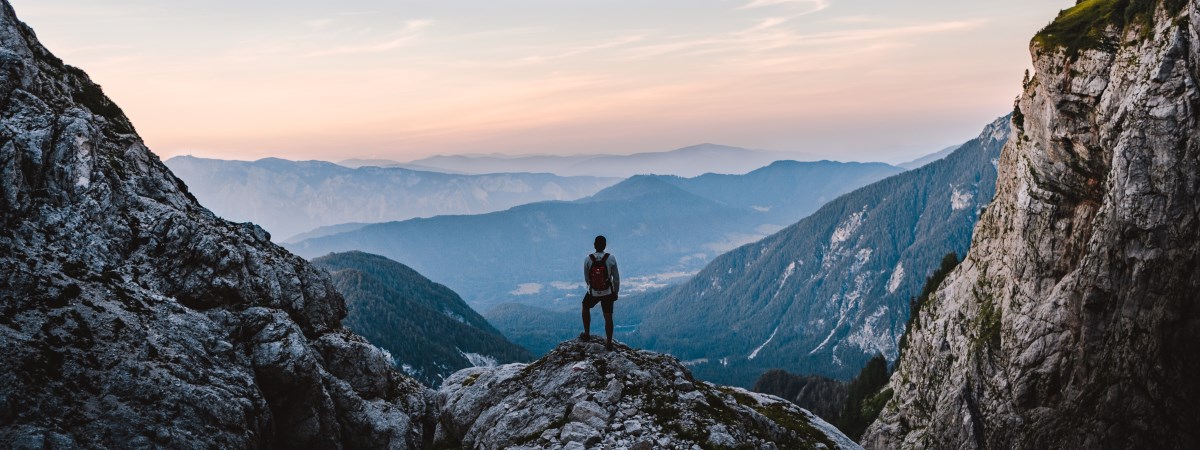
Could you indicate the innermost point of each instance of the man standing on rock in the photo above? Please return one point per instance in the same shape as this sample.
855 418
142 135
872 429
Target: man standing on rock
603 281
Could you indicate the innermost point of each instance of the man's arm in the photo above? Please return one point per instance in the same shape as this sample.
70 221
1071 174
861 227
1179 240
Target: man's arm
586 262
616 276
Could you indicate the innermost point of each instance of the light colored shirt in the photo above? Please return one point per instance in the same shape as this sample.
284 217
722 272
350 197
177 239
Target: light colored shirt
612 273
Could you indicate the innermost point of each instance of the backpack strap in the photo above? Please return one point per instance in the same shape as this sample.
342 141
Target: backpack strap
603 260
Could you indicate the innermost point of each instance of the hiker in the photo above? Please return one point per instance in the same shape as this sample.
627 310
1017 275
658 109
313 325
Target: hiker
604 282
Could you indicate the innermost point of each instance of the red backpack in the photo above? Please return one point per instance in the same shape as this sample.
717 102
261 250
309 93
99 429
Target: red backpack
598 278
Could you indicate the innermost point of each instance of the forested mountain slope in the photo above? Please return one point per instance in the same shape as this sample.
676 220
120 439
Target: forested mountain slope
827 293
426 327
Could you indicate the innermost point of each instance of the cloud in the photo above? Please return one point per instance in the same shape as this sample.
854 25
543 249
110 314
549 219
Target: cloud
408 33
811 6
318 23
767 35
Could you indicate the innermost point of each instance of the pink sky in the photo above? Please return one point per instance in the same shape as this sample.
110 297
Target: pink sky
846 80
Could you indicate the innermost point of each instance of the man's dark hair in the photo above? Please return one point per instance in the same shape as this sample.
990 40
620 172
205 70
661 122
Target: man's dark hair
600 243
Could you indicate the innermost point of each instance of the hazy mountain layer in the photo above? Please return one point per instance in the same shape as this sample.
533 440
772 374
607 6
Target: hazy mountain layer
686 162
291 197
661 228
922 161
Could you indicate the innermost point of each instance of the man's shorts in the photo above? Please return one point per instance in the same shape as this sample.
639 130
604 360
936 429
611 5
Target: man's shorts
605 301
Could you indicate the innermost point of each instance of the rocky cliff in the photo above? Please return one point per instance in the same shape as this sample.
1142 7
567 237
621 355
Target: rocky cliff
130 316
1073 321
581 396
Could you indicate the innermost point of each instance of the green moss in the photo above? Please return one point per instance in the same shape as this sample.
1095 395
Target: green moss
470 380
1083 26
801 434
987 323
807 434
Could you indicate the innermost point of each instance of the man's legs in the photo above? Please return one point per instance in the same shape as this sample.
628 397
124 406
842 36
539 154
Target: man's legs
588 303
607 307
587 321
608 328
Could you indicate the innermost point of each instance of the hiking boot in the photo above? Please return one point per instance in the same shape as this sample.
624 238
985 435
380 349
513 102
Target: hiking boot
608 346
584 337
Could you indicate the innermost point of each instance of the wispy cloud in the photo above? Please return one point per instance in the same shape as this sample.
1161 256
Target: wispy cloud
318 23
768 35
810 6
411 31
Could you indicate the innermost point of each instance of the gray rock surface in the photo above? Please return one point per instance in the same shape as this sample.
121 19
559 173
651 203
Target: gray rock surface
1073 323
553 403
132 317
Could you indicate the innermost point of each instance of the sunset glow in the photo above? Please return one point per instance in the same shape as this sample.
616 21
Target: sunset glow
847 80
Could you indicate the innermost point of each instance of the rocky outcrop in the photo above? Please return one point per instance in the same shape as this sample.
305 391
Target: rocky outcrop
582 396
1073 320
130 316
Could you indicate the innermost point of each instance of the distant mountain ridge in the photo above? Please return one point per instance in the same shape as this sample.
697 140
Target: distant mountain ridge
291 197
425 326
686 162
922 161
830 291
661 227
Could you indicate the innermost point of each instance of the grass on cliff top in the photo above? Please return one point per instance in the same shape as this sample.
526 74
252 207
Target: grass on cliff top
1082 26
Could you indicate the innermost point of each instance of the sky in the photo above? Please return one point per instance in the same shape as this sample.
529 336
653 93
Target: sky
850 80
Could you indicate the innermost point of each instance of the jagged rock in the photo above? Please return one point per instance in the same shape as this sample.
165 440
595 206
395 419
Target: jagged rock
1072 323
130 316
556 400
590 413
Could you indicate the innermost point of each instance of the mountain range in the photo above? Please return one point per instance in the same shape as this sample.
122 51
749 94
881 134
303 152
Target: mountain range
427 328
290 197
685 162
661 228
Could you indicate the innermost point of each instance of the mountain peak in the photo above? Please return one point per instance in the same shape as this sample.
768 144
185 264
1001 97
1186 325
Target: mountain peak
579 393
637 186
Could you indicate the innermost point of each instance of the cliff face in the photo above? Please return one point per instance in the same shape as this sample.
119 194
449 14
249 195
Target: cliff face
132 316
1073 321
